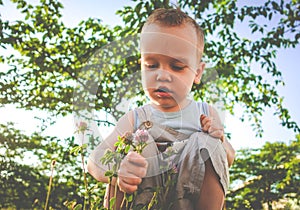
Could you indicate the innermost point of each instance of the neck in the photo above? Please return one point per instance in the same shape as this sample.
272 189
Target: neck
176 108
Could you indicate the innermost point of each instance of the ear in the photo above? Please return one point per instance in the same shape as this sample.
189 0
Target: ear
199 72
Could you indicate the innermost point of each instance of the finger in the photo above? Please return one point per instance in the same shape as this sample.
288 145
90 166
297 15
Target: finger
125 187
136 159
130 180
130 167
205 128
131 170
206 124
204 119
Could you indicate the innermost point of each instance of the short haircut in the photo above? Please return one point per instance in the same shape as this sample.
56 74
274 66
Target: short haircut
176 17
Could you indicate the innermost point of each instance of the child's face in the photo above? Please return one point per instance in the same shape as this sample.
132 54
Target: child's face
170 64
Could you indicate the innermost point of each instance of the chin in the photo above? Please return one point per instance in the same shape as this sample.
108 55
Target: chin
167 106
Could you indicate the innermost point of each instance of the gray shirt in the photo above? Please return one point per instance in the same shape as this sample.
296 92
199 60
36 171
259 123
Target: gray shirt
186 121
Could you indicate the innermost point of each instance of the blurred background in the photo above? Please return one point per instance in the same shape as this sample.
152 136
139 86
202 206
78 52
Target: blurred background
54 68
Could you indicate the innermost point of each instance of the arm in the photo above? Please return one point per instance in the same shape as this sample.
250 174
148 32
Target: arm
229 151
213 126
133 167
94 166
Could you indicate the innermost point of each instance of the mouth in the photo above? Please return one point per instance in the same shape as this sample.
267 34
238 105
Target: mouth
163 90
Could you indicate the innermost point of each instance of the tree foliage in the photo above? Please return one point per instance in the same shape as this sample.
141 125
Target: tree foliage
60 69
25 169
268 175
49 57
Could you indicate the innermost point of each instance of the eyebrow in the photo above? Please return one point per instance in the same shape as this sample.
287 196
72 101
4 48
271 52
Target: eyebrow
179 59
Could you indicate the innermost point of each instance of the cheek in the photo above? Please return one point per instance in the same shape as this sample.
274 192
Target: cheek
143 74
185 83
147 78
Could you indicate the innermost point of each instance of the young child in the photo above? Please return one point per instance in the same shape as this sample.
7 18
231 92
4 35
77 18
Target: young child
172 44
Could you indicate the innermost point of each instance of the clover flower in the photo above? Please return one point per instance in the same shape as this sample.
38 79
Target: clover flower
128 141
53 162
81 127
174 169
127 138
141 136
140 139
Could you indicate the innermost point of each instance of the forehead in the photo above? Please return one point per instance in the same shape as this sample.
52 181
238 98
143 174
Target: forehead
178 42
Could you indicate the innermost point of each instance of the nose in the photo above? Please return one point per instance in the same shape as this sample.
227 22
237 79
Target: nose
163 75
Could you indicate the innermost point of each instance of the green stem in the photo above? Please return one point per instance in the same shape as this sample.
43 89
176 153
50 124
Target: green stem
49 186
151 203
86 195
109 186
133 197
123 201
167 186
116 190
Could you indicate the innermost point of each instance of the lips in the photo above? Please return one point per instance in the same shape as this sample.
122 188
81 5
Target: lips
163 92
163 89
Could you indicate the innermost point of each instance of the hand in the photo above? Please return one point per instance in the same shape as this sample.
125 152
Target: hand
132 169
212 126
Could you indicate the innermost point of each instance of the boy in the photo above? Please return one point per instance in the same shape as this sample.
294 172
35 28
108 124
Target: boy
172 44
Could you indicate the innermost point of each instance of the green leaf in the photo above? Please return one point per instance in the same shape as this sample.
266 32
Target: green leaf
75 150
109 173
112 202
78 207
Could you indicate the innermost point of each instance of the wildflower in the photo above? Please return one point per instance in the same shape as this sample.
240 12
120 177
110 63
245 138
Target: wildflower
174 169
141 136
82 127
140 139
53 164
127 138
125 143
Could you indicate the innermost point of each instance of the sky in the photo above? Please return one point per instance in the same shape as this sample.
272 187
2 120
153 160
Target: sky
242 135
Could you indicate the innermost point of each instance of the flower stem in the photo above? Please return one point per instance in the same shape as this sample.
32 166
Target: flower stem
123 201
152 200
49 185
133 197
86 195
116 190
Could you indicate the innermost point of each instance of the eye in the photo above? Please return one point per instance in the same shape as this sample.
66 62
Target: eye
151 65
178 66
